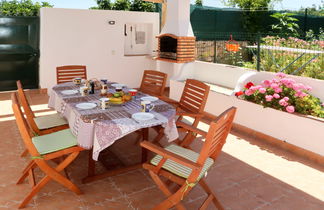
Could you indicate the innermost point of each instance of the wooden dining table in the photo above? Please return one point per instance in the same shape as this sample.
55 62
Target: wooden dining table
96 129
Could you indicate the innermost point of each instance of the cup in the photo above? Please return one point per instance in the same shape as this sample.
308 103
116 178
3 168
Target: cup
84 90
77 81
104 102
147 106
132 92
119 88
104 90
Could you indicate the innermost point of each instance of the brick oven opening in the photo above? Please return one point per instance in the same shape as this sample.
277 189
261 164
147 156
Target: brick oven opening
176 49
168 47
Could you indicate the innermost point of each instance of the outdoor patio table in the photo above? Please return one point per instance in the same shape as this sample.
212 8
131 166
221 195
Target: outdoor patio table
97 129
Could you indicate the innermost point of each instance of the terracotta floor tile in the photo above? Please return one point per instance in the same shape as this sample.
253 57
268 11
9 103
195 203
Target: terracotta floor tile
237 198
131 182
146 199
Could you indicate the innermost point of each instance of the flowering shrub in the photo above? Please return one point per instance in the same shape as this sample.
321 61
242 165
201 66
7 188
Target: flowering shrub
284 94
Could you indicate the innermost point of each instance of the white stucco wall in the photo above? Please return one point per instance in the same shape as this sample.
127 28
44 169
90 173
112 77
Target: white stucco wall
84 37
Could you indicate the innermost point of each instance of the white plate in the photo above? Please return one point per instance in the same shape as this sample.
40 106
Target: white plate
86 105
142 116
149 98
69 92
118 85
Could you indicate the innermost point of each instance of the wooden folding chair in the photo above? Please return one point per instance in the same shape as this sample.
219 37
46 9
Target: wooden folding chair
43 124
68 73
192 104
153 82
186 167
42 149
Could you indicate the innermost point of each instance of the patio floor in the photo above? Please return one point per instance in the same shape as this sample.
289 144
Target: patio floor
247 175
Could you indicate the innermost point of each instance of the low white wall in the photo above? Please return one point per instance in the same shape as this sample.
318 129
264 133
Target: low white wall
84 37
236 77
302 132
220 74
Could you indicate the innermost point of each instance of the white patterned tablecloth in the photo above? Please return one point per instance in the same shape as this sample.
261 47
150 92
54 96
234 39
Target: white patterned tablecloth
97 128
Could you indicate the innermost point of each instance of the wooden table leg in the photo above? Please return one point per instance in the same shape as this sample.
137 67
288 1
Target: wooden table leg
145 133
91 164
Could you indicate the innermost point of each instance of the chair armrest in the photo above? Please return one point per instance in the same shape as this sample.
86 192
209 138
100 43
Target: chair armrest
189 114
169 155
169 100
191 128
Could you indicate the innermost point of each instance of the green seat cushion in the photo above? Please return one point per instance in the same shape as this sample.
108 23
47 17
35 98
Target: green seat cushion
178 169
49 121
54 142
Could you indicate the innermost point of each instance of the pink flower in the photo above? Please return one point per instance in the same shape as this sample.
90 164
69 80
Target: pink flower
323 104
248 92
262 90
286 98
274 85
296 87
300 94
274 81
290 109
278 90
308 88
282 102
276 95
281 75
268 97
254 88
266 83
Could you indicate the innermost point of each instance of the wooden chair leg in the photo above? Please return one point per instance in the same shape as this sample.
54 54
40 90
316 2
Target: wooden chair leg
24 153
164 188
31 178
31 165
54 174
188 139
210 193
174 199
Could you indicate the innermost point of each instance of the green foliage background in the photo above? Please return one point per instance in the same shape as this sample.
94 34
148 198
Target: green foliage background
135 5
21 8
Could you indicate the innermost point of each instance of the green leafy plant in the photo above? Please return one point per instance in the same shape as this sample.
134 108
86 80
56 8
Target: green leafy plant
21 8
284 94
286 24
127 5
122 5
140 5
103 4
199 2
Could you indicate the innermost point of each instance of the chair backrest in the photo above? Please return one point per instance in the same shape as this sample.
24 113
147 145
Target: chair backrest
67 73
216 136
153 82
28 111
23 126
194 96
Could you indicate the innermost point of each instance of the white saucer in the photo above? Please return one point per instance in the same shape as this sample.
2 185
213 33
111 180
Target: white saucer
142 116
149 98
118 85
69 92
86 105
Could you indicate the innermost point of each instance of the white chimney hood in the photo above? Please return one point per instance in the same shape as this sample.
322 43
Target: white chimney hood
178 18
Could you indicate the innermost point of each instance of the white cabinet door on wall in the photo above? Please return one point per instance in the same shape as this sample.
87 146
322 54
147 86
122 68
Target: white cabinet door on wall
138 38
